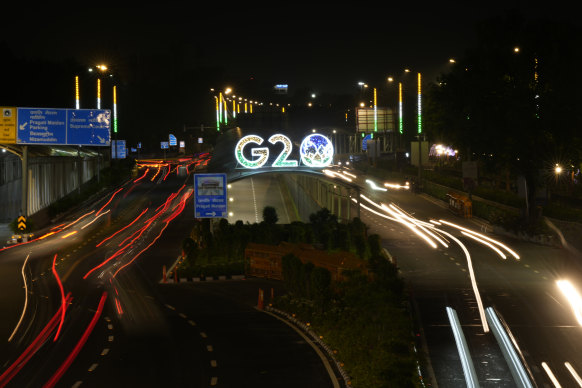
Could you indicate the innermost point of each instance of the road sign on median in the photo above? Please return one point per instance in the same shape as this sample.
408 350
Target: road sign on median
210 196
21 223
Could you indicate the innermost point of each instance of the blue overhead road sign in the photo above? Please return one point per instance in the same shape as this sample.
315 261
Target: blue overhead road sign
118 149
48 126
41 126
89 127
210 196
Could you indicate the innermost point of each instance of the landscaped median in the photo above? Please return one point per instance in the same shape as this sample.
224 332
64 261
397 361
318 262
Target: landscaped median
342 289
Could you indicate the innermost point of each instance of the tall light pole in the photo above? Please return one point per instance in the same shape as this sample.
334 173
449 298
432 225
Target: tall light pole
98 93
77 96
419 129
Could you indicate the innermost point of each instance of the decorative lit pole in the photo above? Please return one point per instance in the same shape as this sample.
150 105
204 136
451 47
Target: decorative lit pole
98 93
400 116
77 98
419 129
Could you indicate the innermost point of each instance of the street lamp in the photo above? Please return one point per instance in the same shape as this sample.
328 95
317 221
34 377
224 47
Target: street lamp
557 170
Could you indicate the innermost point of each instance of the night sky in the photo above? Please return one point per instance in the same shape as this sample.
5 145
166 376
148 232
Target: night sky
326 49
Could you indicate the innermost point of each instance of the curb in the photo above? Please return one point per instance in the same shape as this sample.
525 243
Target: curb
313 337
204 279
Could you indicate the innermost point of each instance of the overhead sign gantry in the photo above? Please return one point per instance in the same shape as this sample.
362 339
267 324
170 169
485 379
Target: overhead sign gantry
50 126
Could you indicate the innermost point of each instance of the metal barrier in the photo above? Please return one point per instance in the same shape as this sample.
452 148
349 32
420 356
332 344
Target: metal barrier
460 205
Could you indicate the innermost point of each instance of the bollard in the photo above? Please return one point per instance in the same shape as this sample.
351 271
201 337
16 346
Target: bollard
164 274
260 302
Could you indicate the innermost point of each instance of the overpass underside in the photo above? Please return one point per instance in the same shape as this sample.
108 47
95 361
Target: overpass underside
311 191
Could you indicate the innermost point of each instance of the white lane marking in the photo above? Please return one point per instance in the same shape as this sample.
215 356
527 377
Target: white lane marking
255 201
183 315
110 338
93 367
170 307
213 363
214 381
105 351
77 384
551 375
209 348
574 374
203 334
192 323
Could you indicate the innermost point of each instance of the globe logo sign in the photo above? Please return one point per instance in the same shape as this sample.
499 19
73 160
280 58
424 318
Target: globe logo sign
316 151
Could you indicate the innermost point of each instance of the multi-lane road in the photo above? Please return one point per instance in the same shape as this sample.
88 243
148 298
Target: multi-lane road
82 305
543 315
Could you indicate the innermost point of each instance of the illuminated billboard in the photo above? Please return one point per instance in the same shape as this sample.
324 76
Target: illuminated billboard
374 120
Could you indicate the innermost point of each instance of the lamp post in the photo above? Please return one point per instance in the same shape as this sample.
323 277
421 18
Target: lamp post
419 135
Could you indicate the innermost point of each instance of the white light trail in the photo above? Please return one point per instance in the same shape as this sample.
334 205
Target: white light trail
483 237
466 362
95 219
334 174
473 282
416 222
415 226
485 243
374 186
396 186
551 375
574 374
509 351
573 297
349 174
409 225
25 299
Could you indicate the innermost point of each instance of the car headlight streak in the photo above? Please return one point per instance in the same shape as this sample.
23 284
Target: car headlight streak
515 255
573 297
421 229
374 186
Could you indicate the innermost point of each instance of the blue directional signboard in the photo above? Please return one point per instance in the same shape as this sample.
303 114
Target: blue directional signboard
210 196
365 142
164 145
90 127
173 140
48 126
118 149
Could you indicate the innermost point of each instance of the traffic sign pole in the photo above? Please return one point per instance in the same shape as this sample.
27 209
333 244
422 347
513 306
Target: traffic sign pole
24 196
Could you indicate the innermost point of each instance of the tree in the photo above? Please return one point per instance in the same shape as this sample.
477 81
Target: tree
270 216
291 267
512 110
324 224
320 280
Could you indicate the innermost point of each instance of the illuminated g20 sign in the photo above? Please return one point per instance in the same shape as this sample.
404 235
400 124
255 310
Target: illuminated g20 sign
316 150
